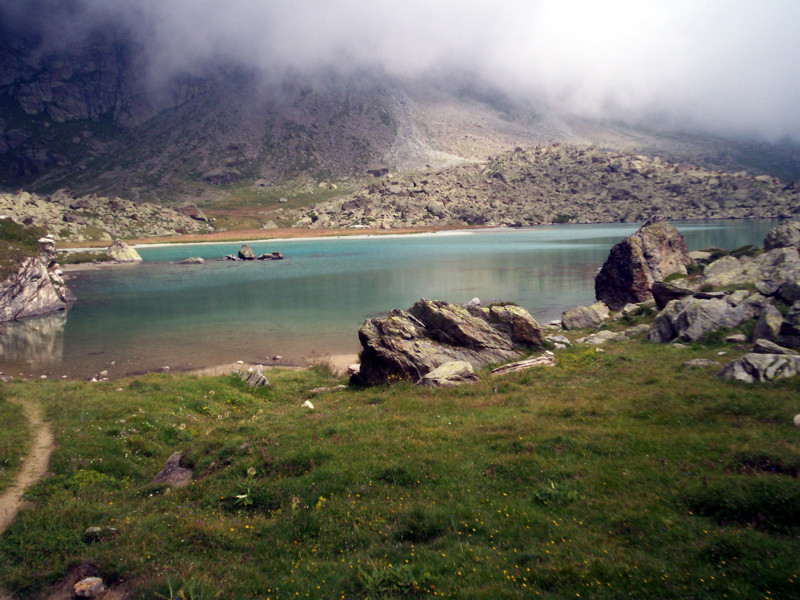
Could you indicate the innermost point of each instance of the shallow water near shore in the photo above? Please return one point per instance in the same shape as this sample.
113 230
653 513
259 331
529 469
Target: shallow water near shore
143 317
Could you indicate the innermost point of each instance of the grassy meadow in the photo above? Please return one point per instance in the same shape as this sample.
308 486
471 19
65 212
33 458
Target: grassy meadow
614 474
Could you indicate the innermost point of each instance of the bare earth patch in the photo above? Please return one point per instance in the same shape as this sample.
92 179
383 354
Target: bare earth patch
34 466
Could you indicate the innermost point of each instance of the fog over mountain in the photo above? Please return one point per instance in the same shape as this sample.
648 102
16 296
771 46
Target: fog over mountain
721 66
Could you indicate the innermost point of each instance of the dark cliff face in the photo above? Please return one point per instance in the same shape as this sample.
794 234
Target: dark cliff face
94 115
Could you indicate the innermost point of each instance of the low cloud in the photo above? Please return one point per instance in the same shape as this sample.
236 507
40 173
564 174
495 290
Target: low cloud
723 66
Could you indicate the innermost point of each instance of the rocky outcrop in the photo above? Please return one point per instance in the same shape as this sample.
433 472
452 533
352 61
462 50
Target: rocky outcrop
789 334
580 317
246 253
768 271
410 344
785 235
761 367
769 323
691 318
36 288
121 252
99 218
655 251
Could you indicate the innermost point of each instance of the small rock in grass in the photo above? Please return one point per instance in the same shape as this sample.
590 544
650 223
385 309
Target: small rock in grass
702 362
89 587
307 404
797 420
737 338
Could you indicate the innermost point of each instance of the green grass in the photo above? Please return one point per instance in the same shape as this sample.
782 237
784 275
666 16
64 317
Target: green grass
614 474
76 258
17 242
14 440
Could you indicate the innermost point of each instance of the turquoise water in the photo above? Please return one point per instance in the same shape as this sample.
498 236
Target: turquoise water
142 317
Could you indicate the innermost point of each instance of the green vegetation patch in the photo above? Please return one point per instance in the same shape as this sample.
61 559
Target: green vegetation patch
614 474
17 242
14 440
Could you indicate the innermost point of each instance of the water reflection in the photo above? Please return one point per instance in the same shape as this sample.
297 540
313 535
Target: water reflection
33 342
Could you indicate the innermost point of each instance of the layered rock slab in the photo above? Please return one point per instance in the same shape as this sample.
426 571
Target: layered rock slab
36 288
410 344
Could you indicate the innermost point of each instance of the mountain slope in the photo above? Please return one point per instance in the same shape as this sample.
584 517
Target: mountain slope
89 117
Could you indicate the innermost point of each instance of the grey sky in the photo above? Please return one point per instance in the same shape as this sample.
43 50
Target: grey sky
726 66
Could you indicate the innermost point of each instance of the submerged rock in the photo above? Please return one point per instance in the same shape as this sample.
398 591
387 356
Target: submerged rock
246 253
656 250
192 260
122 252
410 344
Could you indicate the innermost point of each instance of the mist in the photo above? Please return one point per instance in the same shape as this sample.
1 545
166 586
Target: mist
727 67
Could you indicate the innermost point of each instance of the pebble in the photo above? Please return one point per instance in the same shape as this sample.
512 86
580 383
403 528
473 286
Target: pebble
307 404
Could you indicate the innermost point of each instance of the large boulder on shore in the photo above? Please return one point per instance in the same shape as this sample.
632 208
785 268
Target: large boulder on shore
122 252
691 318
655 251
410 344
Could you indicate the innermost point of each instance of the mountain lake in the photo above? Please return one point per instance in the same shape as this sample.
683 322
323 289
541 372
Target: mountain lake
143 317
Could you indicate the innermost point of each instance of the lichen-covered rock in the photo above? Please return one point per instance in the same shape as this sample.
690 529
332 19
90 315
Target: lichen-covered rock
763 346
580 317
785 235
454 372
761 367
689 319
246 253
89 587
769 323
768 271
122 252
410 344
255 378
656 250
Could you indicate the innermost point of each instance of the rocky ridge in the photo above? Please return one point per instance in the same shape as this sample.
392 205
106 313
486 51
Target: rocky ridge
556 184
100 218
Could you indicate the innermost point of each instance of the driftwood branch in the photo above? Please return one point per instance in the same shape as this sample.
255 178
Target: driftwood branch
543 360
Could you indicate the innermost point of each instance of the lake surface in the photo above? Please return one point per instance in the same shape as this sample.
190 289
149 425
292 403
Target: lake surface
136 318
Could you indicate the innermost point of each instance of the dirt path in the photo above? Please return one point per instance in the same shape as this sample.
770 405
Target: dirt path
34 465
